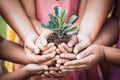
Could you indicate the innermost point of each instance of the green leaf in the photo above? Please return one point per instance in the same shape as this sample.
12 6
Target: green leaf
63 16
53 20
73 28
44 25
64 26
58 11
72 19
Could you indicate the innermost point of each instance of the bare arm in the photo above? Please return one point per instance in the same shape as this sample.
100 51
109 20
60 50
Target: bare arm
94 17
12 52
109 33
30 9
14 14
21 74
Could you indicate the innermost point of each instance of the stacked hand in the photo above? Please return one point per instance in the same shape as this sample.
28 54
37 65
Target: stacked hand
73 56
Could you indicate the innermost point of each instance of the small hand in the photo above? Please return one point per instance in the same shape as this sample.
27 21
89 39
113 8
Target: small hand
33 58
29 43
55 74
42 39
35 68
83 41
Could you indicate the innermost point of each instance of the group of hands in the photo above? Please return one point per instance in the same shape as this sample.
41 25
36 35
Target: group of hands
58 61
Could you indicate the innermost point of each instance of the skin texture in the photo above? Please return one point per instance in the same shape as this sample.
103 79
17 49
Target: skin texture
36 64
97 52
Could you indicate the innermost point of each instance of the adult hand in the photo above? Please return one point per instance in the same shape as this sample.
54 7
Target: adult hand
85 59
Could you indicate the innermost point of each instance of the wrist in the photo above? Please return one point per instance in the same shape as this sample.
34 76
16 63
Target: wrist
102 59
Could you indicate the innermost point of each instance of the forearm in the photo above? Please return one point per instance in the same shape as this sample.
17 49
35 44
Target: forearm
14 14
20 74
94 19
30 10
81 11
109 33
112 55
12 52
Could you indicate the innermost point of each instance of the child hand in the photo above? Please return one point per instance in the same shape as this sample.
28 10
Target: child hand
65 48
42 39
55 74
29 43
84 41
85 59
40 59
34 69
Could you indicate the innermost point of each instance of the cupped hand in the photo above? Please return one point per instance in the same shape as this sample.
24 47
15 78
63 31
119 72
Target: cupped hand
85 59
42 39
29 43
84 41
35 68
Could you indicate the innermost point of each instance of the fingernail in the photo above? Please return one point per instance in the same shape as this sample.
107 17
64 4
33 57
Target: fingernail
57 57
62 67
66 63
76 51
52 55
46 68
78 57
62 55
58 65
59 61
44 43
36 50
70 44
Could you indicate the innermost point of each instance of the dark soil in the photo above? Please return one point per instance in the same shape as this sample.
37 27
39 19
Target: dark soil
54 38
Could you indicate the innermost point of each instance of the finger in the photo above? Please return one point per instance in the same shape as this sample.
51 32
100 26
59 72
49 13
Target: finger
69 49
40 58
35 67
72 41
58 65
68 56
58 51
83 54
41 42
30 45
71 70
62 61
60 47
54 68
76 67
80 46
55 74
46 73
50 62
49 50
85 60
44 48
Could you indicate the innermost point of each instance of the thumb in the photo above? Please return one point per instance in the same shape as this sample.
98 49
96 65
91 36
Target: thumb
30 45
72 41
43 41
